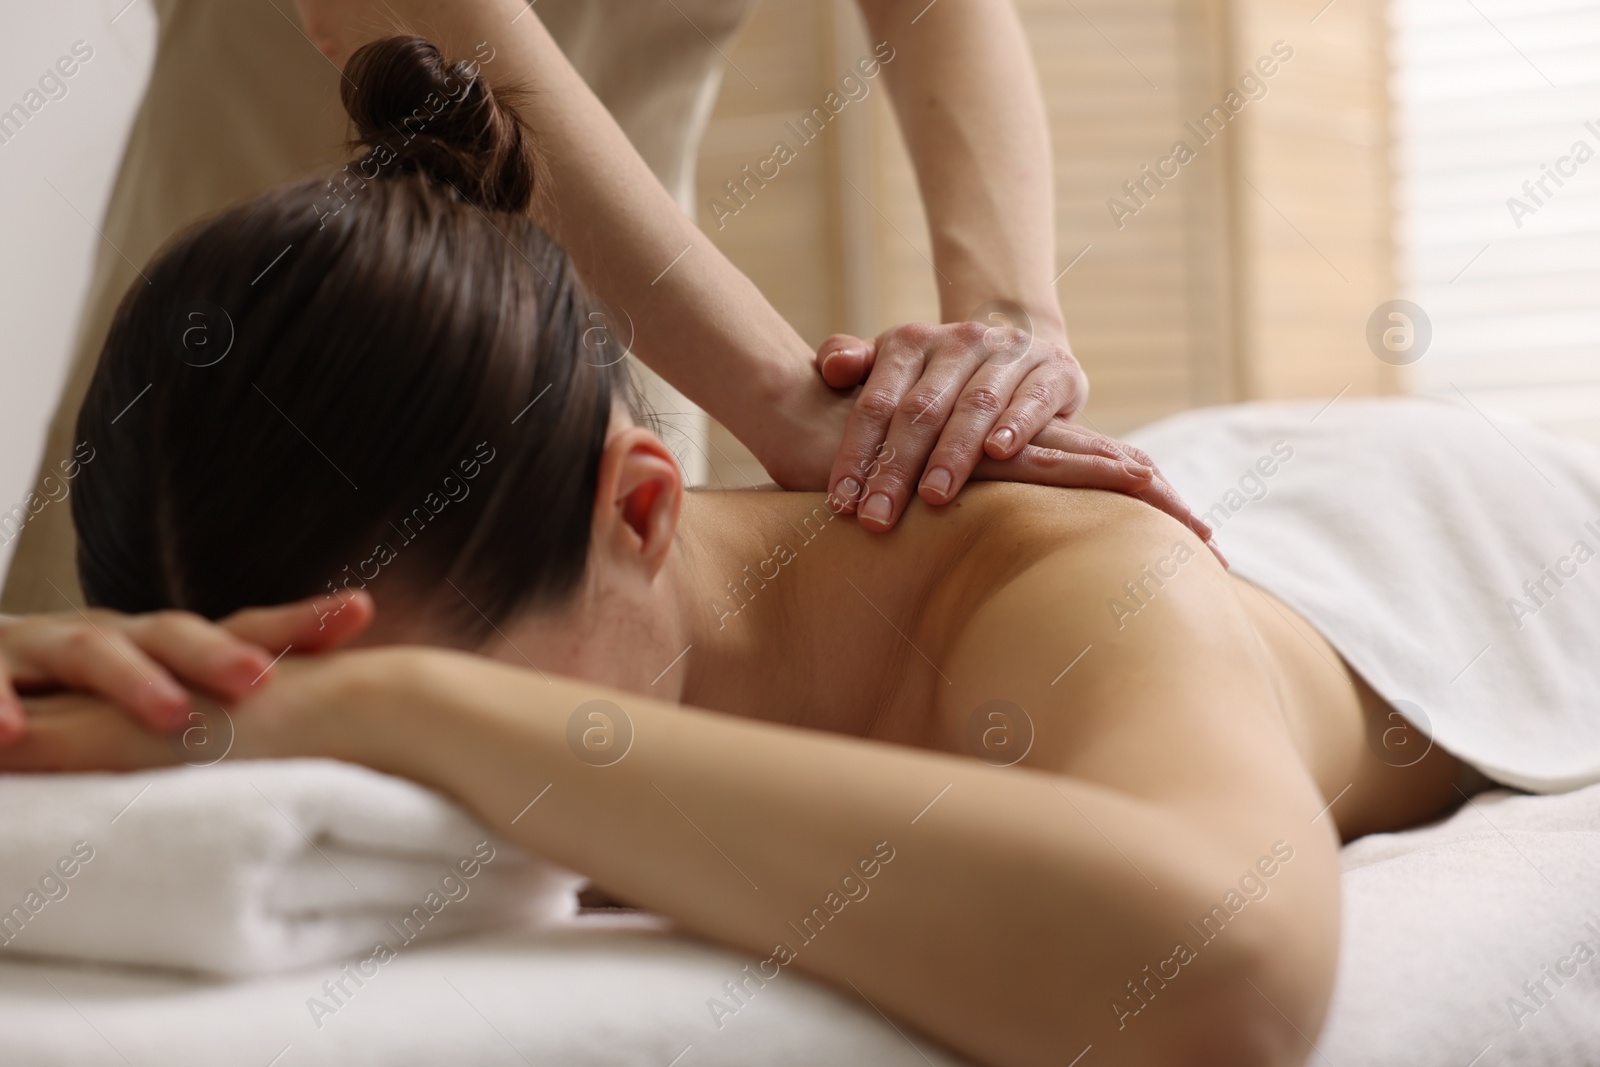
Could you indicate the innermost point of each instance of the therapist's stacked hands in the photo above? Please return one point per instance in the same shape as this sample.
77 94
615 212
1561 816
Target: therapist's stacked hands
941 404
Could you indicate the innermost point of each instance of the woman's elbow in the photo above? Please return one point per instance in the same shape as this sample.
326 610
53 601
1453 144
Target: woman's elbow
1262 1005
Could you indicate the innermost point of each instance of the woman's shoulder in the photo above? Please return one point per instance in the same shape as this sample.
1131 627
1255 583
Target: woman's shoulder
1050 519
1111 606
1012 541
1085 560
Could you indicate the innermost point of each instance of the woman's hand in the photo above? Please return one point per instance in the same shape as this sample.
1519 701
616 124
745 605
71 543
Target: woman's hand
360 705
943 404
147 665
315 707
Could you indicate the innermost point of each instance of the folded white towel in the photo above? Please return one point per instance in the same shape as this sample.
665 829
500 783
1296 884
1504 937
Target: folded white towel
250 867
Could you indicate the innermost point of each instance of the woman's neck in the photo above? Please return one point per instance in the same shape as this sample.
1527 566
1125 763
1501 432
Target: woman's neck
749 599
773 608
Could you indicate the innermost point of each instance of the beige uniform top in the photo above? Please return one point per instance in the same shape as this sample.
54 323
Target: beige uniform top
240 101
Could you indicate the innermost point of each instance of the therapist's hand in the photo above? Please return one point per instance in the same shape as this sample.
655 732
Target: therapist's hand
942 404
939 398
1069 456
147 665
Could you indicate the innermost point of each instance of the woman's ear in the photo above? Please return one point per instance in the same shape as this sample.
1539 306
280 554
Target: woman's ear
638 498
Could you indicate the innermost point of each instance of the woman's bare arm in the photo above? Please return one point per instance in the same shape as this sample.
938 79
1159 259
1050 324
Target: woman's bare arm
747 833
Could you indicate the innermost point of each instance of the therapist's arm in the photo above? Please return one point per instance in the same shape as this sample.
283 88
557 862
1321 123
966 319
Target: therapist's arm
697 320
968 102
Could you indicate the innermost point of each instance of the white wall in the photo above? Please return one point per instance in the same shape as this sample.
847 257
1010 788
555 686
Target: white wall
46 246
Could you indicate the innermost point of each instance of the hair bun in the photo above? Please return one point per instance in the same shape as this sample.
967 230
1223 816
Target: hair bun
417 112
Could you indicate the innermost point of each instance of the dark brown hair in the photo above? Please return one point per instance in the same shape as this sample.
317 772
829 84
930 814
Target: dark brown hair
381 380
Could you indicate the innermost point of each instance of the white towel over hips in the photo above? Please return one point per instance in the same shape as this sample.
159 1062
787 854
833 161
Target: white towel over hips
1454 562
251 867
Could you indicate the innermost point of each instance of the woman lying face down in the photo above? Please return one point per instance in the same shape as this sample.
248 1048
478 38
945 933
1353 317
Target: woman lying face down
1106 831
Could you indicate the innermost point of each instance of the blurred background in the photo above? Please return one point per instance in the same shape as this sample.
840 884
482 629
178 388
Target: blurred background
1403 151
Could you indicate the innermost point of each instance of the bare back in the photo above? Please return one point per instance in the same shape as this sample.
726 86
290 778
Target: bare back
1051 619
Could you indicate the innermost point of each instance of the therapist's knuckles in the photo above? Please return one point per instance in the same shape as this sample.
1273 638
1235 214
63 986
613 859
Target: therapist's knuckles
910 337
879 403
924 410
981 402
1038 399
968 334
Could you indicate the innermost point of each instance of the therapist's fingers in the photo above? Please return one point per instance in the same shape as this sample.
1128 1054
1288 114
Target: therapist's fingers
845 361
1000 401
1064 436
1070 470
1066 470
1164 497
1158 492
318 624
949 389
1160 495
863 454
1056 387
937 434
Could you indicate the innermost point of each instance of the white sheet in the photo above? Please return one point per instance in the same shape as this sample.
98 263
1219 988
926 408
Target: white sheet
250 867
1407 531
1442 927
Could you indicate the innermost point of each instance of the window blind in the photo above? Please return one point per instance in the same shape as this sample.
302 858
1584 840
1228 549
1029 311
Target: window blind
1497 163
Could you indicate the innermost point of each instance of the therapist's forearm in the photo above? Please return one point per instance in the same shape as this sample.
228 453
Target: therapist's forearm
696 319
967 97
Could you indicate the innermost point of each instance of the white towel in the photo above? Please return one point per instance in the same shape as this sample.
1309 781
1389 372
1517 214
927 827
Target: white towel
1454 562
251 867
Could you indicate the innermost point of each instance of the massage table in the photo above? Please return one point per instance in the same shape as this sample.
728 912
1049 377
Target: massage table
1443 925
